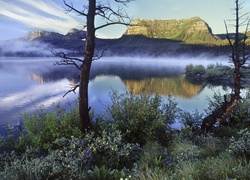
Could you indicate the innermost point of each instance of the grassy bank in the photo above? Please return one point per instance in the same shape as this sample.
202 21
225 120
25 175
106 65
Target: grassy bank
132 141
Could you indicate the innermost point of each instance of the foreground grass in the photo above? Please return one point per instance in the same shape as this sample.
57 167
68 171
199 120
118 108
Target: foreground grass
51 146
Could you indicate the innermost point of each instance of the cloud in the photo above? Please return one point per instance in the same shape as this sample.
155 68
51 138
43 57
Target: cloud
39 14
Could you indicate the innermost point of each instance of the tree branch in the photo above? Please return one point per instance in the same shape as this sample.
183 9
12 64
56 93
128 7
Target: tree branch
71 8
72 90
113 23
101 55
65 60
113 17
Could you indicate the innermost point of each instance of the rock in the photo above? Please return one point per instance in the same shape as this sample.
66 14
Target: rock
187 30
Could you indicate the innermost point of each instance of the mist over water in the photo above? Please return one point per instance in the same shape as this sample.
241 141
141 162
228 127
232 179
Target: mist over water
29 83
21 48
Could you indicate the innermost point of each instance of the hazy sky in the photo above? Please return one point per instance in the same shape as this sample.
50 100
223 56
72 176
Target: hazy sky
18 17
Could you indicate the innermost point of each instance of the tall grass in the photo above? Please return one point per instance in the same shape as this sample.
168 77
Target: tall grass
106 153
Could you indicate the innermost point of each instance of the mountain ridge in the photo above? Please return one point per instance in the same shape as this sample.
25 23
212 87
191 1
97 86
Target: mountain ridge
192 30
145 36
186 30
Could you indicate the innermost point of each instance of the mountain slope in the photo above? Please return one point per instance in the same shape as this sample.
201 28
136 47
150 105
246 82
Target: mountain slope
144 37
191 30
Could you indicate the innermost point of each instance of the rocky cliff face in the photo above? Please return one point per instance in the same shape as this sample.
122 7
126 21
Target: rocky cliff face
72 40
187 30
147 37
73 34
43 35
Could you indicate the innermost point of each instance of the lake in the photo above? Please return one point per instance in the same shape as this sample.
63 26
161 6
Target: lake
30 83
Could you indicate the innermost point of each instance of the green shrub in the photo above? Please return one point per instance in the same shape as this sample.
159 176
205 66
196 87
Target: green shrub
141 117
192 119
109 150
191 122
189 68
192 70
15 140
241 144
213 73
69 161
237 118
44 127
218 72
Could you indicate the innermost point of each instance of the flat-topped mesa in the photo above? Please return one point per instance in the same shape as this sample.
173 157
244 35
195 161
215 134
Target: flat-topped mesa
187 30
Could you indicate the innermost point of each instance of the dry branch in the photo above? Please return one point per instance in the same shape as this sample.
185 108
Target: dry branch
73 89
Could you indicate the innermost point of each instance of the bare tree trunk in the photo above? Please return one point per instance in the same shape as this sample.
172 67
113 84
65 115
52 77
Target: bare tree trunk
85 68
225 108
236 56
110 17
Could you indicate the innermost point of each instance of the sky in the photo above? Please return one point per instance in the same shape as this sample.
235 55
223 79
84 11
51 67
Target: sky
18 17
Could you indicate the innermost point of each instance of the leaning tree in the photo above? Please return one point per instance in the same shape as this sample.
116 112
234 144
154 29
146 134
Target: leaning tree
111 12
239 56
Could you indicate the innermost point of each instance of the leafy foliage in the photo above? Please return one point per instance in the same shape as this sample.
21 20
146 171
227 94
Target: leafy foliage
218 72
192 70
105 151
140 117
237 119
241 144
108 149
212 73
44 127
191 122
65 163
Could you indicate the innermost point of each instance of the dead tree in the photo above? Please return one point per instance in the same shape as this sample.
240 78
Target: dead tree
111 16
239 56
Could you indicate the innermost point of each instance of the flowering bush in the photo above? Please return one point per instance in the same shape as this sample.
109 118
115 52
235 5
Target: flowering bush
108 149
67 162
241 145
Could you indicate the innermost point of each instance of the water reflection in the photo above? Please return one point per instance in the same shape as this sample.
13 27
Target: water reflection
27 84
176 86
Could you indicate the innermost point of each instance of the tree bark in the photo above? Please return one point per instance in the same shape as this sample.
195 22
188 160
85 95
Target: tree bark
110 17
222 111
85 122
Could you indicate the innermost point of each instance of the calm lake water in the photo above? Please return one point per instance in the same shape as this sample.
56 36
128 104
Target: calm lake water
29 83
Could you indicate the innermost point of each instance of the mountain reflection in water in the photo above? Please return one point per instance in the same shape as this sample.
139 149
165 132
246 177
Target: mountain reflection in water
176 86
28 83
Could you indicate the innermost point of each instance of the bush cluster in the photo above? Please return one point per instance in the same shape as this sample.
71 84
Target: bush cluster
134 142
141 117
212 73
45 126
192 70
241 144
109 149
